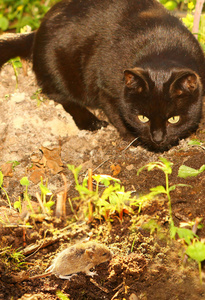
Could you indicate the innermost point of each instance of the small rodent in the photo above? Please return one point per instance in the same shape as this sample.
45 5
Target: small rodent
78 258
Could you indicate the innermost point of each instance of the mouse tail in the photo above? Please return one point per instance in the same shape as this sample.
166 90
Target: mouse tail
13 45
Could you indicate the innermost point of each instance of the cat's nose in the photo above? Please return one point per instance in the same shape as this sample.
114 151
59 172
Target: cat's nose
157 136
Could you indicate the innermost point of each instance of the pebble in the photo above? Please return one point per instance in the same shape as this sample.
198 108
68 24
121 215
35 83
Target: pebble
18 97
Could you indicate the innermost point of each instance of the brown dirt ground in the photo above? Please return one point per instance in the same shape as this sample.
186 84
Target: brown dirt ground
43 139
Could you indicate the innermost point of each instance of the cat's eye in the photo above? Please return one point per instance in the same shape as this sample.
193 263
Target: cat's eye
143 119
174 120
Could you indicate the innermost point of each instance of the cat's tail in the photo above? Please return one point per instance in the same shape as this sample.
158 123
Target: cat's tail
13 45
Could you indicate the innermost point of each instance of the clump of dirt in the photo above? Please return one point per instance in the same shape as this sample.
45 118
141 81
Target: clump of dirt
38 140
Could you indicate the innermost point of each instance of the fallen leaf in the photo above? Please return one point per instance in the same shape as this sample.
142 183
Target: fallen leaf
51 158
7 169
36 175
115 169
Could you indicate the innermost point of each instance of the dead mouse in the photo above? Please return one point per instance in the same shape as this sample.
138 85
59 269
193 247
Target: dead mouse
78 258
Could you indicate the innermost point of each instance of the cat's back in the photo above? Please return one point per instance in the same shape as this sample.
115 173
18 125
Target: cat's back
103 14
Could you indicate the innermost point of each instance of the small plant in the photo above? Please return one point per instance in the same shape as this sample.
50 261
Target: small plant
113 199
13 259
25 182
38 96
1 187
61 296
15 163
165 166
44 192
18 205
16 63
197 252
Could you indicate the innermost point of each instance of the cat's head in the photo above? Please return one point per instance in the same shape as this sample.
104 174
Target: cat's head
161 107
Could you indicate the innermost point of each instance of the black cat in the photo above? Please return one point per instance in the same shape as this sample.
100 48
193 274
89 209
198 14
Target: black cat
130 58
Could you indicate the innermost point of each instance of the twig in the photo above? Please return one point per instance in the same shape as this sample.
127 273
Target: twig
119 291
41 203
60 205
65 193
197 15
61 200
99 286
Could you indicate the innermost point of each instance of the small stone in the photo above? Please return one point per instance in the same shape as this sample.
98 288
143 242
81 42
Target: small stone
18 97
133 297
130 167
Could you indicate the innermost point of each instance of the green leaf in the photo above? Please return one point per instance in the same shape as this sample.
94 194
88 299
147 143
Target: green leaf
158 190
186 234
185 171
49 204
4 23
194 143
105 179
167 165
17 205
196 251
173 231
73 169
84 190
171 5
24 181
45 190
62 296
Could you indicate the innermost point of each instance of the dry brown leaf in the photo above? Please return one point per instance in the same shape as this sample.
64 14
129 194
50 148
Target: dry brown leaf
52 159
7 169
115 169
36 175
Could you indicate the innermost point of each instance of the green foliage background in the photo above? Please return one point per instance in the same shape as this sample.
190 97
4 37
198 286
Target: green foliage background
15 14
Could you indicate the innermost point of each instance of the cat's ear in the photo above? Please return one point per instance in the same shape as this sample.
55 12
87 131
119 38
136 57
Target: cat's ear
185 82
135 80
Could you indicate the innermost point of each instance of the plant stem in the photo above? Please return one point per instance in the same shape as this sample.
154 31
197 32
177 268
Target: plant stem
7 197
169 200
200 275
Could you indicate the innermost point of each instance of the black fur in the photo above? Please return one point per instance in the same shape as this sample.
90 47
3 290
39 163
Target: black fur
130 58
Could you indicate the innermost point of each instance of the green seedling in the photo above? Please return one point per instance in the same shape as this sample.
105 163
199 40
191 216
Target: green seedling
15 163
75 172
197 252
61 296
13 259
44 192
25 182
148 197
154 228
165 166
1 187
38 97
72 209
16 63
113 199
18 205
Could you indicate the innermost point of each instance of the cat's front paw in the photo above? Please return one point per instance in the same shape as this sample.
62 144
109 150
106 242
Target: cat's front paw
96 125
